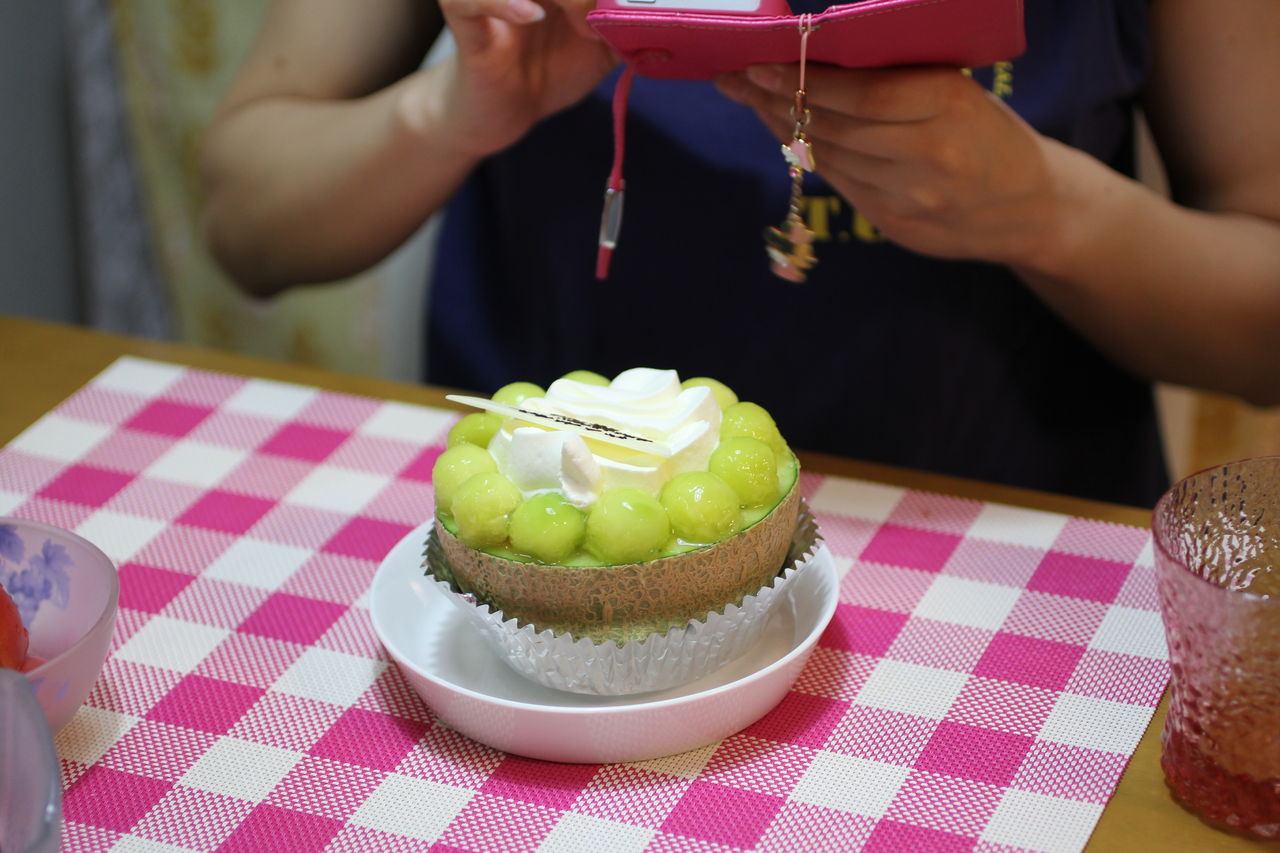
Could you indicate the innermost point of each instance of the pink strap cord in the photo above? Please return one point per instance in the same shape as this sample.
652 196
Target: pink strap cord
806 27
611 218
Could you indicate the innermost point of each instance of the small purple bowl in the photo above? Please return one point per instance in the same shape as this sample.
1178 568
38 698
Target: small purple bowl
67 592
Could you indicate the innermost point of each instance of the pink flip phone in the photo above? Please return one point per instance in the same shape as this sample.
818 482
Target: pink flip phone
697 39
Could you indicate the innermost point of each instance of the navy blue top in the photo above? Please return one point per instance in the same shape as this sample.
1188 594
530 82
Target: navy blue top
883 354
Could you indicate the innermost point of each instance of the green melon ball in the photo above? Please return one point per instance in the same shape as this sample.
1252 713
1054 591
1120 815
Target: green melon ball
482 509
627 525
723 393
788 470
547 527
586 377
517 392
454 467
476 428
749 467
701 506
751 419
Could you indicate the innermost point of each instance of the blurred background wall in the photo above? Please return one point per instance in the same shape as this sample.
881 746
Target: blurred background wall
37 246
102 104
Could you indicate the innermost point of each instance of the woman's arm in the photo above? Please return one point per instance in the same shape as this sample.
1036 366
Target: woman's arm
331 147
1189 291
311 170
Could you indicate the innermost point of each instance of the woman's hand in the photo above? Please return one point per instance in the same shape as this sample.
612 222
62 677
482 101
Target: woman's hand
517 61
938 164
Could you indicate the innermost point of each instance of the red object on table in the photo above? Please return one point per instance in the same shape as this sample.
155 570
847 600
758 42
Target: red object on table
13 634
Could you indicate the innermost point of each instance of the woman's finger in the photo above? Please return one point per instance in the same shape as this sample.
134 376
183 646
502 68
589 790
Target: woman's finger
514 11
831 127
471 21
575 11
882 140
876 94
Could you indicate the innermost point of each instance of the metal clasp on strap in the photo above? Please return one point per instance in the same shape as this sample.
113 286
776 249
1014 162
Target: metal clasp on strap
611 217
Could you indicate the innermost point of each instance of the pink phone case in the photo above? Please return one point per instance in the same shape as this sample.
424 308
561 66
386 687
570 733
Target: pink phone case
868 34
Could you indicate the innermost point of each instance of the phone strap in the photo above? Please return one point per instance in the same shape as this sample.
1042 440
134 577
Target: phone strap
790 245
611 217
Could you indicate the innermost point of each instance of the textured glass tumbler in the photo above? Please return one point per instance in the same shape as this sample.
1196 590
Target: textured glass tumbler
1217 552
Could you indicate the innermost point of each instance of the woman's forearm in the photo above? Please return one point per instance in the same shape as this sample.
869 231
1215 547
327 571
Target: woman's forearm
307 190
1175 294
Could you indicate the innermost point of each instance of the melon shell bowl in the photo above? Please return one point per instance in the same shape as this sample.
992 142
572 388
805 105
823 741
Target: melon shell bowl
618 630
630 601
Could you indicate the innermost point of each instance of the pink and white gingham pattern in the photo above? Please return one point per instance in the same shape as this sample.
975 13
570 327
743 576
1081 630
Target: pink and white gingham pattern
988 673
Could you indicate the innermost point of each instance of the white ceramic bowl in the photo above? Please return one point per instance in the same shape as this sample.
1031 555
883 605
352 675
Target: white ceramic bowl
449 664
67 592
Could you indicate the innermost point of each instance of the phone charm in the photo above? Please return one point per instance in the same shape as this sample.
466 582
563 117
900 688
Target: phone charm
790 245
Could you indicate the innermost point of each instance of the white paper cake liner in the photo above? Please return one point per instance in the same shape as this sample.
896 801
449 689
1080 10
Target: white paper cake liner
657 662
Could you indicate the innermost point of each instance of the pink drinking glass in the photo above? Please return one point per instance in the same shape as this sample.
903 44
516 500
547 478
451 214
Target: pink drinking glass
1217 553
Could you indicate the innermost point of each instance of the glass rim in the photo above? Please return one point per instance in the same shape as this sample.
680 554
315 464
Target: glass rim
1158 532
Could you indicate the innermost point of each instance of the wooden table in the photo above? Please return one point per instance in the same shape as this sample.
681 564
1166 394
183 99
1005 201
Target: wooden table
44 363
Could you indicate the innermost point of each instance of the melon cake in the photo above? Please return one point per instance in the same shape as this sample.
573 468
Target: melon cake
614 509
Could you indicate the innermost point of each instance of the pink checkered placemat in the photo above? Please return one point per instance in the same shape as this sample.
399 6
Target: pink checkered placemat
988 673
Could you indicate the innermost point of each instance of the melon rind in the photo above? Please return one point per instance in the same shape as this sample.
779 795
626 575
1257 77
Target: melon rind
627 602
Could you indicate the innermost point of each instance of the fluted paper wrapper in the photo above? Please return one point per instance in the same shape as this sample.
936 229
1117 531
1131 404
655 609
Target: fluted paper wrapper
657 662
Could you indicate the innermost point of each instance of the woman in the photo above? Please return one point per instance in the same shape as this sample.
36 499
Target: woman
993 295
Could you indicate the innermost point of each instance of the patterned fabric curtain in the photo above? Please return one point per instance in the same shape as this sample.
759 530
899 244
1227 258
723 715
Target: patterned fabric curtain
122 290
147 77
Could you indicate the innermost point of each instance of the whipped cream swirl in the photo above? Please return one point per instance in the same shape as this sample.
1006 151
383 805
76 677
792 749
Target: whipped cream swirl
642 402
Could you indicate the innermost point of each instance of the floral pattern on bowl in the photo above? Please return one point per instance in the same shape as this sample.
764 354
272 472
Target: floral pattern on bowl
44 578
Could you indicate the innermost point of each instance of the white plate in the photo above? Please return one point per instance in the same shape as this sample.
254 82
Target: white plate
472 690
